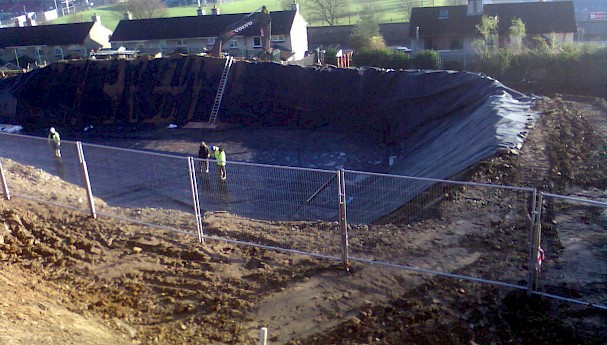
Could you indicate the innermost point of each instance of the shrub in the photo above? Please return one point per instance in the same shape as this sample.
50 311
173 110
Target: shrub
496 65
382 58
427 59
330 56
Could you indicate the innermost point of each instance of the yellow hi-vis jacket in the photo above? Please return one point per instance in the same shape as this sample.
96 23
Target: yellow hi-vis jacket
55 137
220 156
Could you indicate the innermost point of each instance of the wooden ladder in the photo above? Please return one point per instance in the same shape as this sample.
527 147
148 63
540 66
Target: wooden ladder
220 90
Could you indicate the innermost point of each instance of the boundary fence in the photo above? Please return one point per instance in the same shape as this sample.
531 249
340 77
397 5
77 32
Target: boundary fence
337 214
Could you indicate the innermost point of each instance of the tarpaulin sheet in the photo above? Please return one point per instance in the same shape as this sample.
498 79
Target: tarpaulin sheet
434 123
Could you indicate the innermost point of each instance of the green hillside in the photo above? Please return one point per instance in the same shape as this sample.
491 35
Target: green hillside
386 11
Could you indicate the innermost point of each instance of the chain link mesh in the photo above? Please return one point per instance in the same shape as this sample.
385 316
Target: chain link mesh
453 227
38 167
146 187
574 248
444 226
286 200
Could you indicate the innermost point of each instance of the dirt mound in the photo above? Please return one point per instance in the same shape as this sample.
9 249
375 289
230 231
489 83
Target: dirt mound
71 279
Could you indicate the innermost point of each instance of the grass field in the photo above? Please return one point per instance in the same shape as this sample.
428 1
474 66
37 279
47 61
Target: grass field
387 11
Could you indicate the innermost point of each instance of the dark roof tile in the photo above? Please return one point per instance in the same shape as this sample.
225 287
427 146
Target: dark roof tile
194 27
50 35
539 17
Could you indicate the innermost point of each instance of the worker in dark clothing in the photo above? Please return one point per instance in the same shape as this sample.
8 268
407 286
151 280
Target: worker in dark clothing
55 139
204 153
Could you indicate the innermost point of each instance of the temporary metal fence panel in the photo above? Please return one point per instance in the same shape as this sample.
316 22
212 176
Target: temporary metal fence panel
31 167
146 187
440 226
299 205
574 248
428 225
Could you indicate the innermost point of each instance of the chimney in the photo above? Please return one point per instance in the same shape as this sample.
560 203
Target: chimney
200 11
215 11
475 7
96 18
295 6
128 15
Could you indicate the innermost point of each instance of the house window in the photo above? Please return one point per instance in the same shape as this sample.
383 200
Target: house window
457 44
278 38
233 43
256 41
443 13
182 43
210 41
21 51
162 45
58 52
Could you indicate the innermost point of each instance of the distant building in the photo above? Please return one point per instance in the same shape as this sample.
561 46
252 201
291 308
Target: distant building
395 35
453 28
49 43
197 34
591 17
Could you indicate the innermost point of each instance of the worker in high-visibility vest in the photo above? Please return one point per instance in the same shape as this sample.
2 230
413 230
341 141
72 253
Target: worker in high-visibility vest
220 157
55 139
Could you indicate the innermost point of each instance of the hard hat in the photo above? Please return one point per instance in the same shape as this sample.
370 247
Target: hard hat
52 129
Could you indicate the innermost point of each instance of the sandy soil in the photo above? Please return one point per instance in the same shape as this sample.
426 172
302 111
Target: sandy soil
70 279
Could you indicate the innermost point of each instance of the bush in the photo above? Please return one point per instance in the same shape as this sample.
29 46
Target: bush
496 65
427 59
382 58
330 56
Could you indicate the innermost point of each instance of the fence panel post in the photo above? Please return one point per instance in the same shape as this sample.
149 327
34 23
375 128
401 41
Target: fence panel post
536 236
195 199
7 193
85 179
343 222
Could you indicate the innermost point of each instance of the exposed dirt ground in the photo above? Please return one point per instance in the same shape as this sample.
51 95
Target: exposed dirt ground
70 279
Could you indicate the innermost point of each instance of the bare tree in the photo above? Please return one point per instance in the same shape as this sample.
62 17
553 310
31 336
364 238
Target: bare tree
286 4
329 11
143 9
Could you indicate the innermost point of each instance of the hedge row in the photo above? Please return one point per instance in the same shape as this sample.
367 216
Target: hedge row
575 70
426 59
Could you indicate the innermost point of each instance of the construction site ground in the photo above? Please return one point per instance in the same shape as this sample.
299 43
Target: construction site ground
70 279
